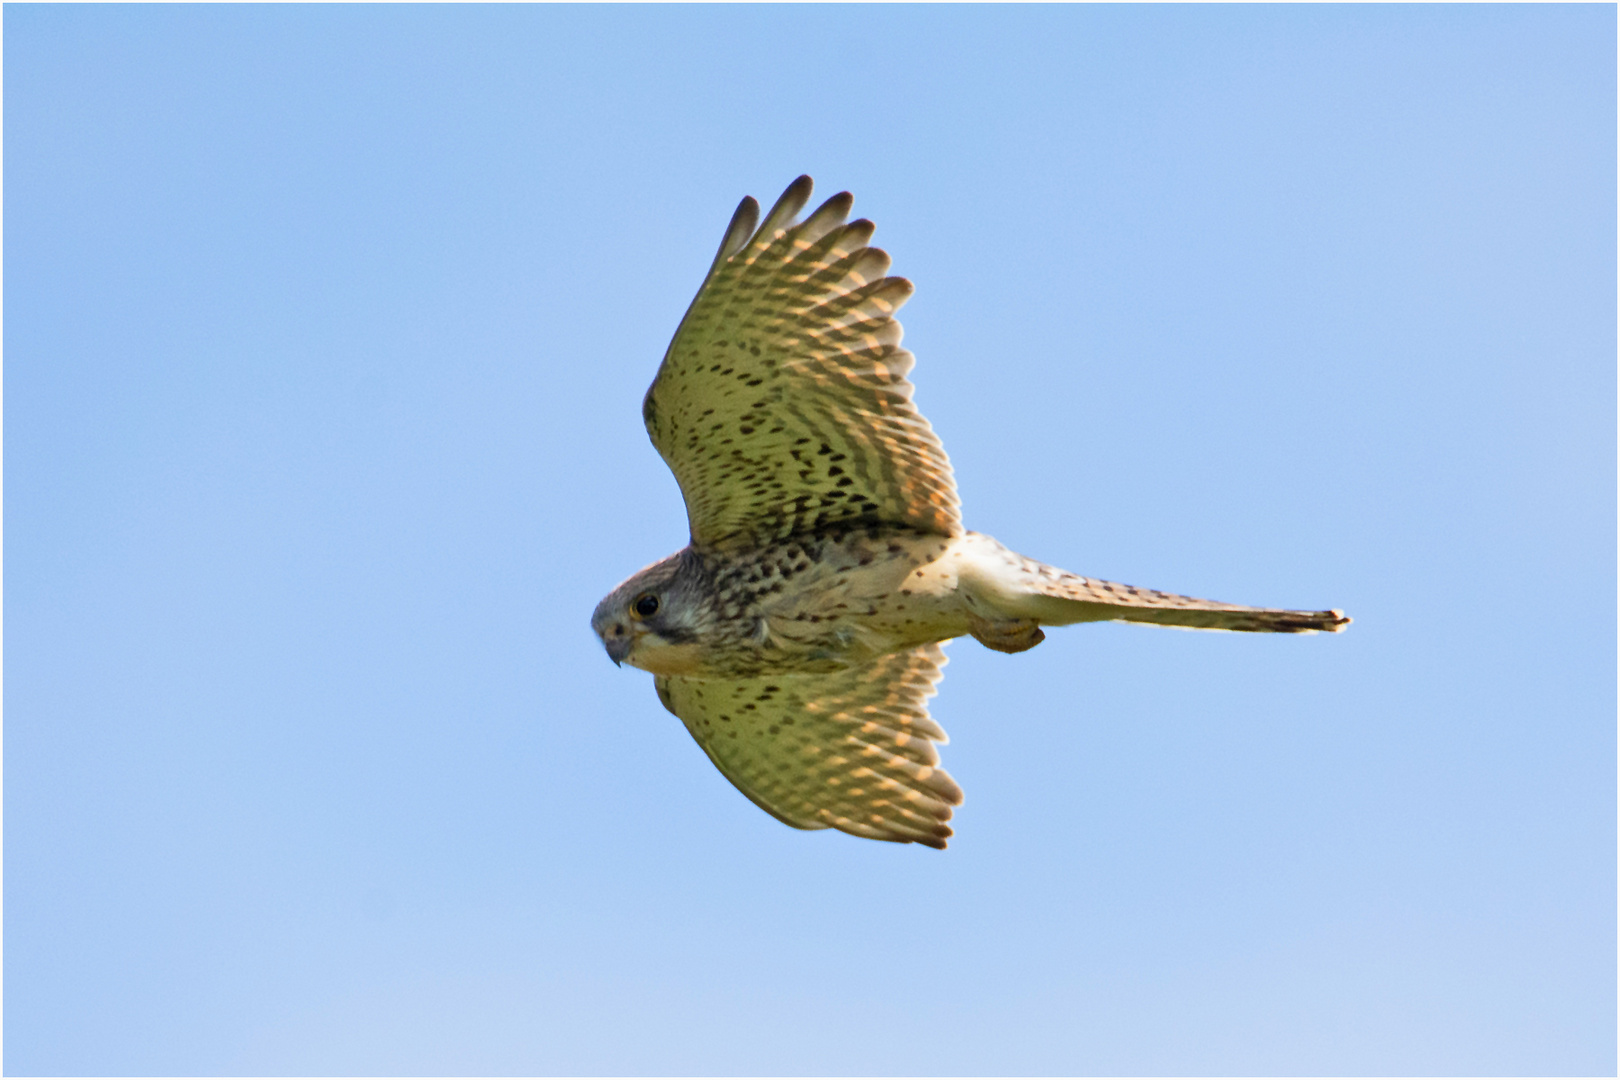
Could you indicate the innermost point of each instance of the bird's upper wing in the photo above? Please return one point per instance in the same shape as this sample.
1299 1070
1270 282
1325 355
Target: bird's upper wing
851 750
782 405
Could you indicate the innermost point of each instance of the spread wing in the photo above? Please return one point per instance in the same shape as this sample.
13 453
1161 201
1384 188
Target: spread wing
782 405
852 750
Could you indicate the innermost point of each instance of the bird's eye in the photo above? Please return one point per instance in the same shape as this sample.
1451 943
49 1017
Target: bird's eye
646 605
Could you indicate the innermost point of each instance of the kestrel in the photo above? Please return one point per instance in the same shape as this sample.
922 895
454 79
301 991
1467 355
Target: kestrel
797 635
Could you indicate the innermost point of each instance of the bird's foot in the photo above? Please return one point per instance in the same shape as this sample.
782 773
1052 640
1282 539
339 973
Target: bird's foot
1006 635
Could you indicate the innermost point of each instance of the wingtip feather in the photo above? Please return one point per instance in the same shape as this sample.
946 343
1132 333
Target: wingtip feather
793 200
742 225
827 217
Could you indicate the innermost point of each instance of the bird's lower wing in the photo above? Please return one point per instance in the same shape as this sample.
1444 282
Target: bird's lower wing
850 750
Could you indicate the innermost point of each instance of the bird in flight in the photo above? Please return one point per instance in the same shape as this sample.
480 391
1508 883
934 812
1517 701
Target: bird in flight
798 635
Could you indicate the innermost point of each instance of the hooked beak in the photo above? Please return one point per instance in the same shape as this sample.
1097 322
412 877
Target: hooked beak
618 647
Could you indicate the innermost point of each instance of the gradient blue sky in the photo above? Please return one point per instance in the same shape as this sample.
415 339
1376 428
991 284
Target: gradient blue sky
326 332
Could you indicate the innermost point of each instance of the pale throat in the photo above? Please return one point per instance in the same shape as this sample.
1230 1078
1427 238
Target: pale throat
652 653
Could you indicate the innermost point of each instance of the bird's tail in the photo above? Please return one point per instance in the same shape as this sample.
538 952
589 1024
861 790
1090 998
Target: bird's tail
1021 588
1068 598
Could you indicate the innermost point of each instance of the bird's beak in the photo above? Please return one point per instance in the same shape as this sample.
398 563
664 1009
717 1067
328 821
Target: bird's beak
618 648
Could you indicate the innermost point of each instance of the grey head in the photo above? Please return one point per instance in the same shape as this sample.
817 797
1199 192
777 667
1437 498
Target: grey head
653 620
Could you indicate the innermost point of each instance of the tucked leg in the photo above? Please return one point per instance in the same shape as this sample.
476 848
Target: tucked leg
1006 635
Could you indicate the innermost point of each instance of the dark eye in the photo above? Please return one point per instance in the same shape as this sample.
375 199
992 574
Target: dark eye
646 605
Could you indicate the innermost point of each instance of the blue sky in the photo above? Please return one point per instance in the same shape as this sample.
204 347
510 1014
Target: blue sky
326 331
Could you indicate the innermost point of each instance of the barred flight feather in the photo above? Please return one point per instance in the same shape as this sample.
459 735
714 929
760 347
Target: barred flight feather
850 750
787 375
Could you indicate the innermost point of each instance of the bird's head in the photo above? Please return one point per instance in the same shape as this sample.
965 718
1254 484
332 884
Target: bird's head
651 620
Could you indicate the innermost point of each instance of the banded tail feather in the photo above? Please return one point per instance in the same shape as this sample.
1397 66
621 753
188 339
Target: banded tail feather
1063 598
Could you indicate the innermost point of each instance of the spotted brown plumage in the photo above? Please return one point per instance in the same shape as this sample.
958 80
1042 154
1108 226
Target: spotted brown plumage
797 635
852 749
782 405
